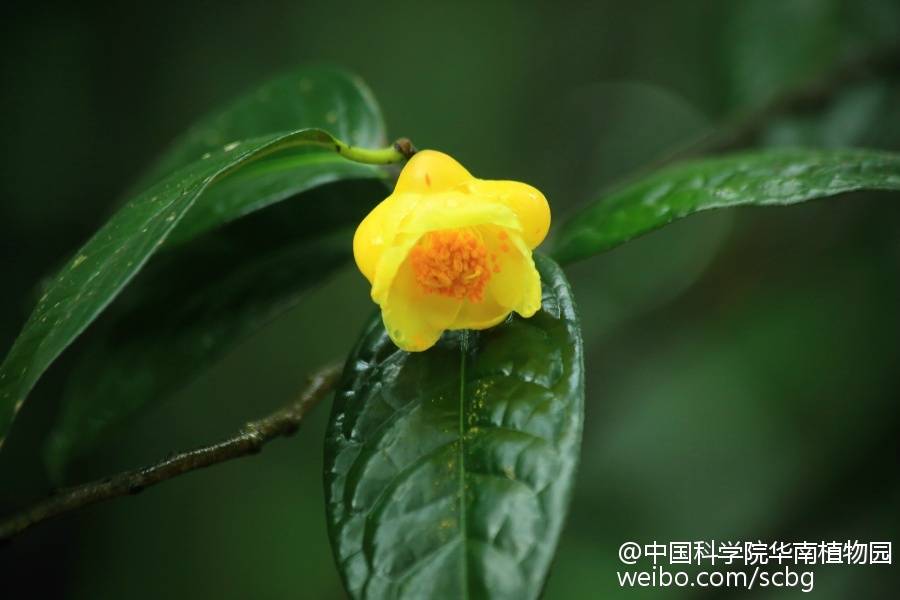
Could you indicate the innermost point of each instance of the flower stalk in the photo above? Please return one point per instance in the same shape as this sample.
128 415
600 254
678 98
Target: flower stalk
398 152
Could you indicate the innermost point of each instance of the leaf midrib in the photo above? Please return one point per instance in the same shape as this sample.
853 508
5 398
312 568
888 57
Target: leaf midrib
461 459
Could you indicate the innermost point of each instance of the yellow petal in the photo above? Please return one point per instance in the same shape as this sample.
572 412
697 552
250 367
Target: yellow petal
517 284
378 230
413 319
388 267
455 210
436 194
528 203
431 171
480 315
435 213
416 214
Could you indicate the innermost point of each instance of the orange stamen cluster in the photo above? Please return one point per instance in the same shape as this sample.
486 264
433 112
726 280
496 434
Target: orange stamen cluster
453 263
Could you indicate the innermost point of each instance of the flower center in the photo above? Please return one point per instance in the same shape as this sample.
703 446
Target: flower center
453 263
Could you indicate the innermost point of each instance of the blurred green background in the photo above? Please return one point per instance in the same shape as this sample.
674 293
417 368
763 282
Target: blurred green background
743 367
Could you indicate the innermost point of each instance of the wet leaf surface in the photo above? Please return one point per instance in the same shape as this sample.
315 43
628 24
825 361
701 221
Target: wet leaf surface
448 472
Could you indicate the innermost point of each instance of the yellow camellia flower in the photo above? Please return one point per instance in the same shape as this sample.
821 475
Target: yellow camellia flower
449 251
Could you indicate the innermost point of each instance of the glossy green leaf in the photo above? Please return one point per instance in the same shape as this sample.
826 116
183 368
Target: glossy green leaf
230 180
198 300
271 180
312 97
770 178
317 98
448 472
194 303
107 262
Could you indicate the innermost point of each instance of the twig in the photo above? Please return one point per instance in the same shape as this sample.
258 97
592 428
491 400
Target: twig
249 440
743 131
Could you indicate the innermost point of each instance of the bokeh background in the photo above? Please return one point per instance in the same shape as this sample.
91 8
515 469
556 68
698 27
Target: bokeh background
743 367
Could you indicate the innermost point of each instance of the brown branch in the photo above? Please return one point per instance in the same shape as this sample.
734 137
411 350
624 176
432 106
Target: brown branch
249 440
744 130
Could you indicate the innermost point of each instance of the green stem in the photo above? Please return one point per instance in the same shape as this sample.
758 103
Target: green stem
399 151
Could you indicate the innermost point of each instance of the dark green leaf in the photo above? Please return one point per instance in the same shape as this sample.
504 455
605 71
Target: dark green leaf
771 178
191 306
235 177
320 98
448 472
317 98
266 182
